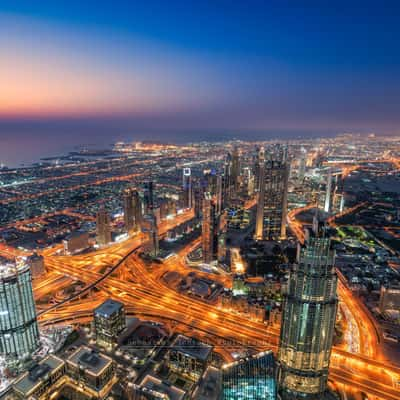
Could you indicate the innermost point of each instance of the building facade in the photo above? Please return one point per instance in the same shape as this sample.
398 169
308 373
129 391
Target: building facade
109 321
308 322
252 378
209 229
19 332
272 195
103 231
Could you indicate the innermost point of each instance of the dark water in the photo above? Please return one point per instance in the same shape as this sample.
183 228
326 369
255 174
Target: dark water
24 149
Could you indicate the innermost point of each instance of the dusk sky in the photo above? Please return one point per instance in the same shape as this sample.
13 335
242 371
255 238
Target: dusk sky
96 71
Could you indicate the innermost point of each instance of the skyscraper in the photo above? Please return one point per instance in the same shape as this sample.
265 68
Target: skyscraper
132 209
137 209
148 198
302 165
187 188
308 321
103 232
209 229
272 196
328 192
150 227
19 333
252 378
235 172
129 219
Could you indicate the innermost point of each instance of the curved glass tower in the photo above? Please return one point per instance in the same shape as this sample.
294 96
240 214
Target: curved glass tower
308 322
19 333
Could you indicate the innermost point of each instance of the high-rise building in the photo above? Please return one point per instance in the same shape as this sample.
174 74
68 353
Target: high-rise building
36 263
235 172
308 322
209 229
272 196
129 219
187 188
103 231
148 197
19 332
227 180
150 227
252 378
328 191
302 165
137 209
109 321
132 209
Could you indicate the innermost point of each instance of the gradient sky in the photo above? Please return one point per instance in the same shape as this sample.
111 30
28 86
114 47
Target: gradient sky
101 70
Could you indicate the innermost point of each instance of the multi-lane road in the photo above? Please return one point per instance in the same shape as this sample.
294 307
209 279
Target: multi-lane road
117 271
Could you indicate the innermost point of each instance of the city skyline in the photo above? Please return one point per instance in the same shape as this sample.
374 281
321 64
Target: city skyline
199 200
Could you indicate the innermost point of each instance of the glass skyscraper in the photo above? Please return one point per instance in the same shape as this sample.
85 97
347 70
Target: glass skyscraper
19 333
272 194
308 321
252 378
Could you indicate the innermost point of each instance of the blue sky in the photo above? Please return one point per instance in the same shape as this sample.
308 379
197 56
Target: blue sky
111 69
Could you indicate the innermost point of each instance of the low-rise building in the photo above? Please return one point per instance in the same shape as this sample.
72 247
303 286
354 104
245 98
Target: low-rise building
189 357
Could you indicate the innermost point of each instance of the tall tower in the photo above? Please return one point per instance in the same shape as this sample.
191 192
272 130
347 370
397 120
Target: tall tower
103 231
129 220
308 322
272 197
235 169
328 193
19 333
302 165
209 229
148 198
187 188
260 195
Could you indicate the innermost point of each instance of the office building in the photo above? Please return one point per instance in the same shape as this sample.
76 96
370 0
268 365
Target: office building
272 196
129 218
76 242
103 231
38 383
19 332
187 188
92 371
148 198
109 321
149 226
302 165
209 229
308 321
389 298
132 209
36 263
154 388
252 378
328 191
189 357
235 171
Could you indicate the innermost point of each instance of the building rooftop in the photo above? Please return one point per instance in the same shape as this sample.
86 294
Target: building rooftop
93 362
153 384
108 308
33 378
192 347
10 269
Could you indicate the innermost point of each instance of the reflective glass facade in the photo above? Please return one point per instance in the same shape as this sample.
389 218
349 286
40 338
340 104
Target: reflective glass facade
308 322
19 333
252 378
